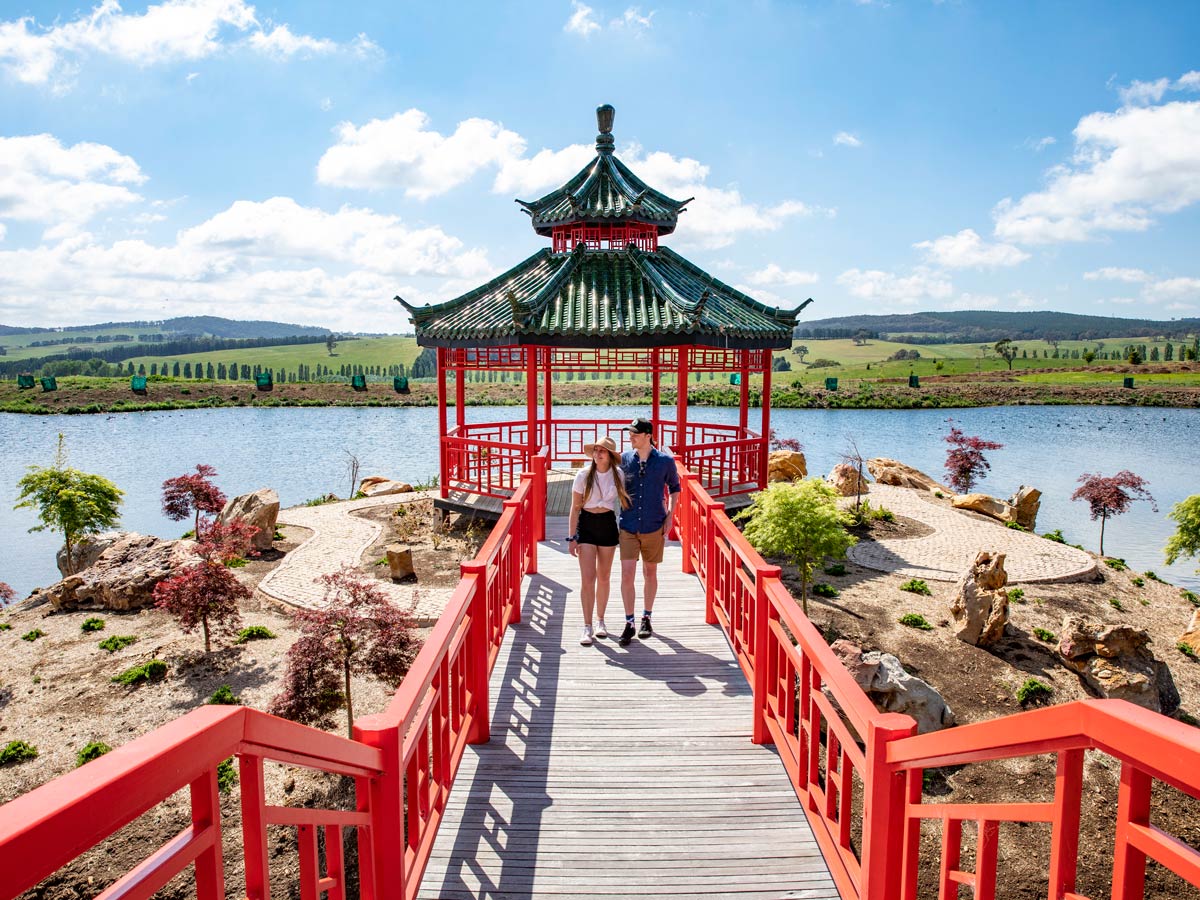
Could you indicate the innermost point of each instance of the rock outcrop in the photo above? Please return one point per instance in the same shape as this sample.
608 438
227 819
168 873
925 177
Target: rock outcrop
1115 661
260 509
1026 502
846 480
890 471
786 465
1191 637
86 551
378 486
124 575
980 606
1021 508
892 689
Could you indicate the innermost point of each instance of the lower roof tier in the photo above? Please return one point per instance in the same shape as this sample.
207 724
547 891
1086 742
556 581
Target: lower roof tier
604 298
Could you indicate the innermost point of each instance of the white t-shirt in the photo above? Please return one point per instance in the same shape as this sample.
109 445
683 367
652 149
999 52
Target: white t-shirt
604 489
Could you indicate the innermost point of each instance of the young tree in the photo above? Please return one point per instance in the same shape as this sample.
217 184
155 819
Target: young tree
67 500
782 443
356 632
1111 496
800 521
801 350
190 494
207 593
965 462
7 594
1006 350
1186 539
330 343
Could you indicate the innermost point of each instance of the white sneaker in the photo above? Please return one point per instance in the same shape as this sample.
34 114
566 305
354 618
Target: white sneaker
586 637
601 630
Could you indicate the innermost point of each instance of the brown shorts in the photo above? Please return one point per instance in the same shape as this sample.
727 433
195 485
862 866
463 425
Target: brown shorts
649 546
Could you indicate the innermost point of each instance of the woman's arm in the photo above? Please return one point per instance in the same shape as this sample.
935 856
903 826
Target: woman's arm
573 521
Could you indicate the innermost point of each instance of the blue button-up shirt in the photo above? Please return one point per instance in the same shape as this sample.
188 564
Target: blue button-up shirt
647 509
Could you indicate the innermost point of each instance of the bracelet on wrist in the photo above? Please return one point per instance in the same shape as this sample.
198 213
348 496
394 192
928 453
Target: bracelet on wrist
573 537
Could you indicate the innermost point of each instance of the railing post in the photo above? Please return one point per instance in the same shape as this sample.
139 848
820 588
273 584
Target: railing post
478 650
522 539
387 807
254 828
206 814
1133 808
1064 838
443 444
529 527
761 635
710 555
884 810
685 519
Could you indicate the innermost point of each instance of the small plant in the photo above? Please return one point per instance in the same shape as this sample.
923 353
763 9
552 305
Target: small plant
824 590
17 751
33 635
224 696
1143 601
321 501
278 535
37 679
916 586
1117 565
227 776
254 633
1056 535
939 495
154 670
1033 691
1116 604
236 562
118 642
1043 635
837 569
1190 596
1186 650
1015 526
912 620
1138 582
5 626
1187 719
92 750
1016 595
883 514
1153 577
90 625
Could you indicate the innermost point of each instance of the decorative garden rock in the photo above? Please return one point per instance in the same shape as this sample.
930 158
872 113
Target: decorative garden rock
1026 502
786 465
846 480
378 486
87 551
1115 661
980 605
892 689
260 509
124 575
1191 637
400 563
890 471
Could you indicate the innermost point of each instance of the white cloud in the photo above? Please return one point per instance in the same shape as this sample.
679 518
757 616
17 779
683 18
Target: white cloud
582 21
167 32
1180 307
1112 273
873 284
43 181
1176 289
326 104
1128 167
972 301
1141 93
531 177
1024 301
191 76
1121 301
3 230
633 20
968 250
1037 145
773 274
846 139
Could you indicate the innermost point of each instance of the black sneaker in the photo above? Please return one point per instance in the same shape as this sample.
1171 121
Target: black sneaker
645 631
626 635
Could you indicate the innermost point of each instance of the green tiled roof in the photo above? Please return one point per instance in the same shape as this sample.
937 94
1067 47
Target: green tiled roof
604 298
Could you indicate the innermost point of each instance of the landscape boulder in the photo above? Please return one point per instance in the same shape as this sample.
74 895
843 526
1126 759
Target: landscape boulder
124 575
400 563
892 689
1115 661
890 471
86 551
786 465
378 486
260 509
980 606
988 506
846 480
1191 637
1026 502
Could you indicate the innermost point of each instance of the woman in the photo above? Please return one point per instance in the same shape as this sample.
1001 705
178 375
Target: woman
597 495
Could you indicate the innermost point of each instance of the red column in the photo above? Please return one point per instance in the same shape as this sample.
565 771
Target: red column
744 404
460 394
547 401
655 391
766 418
443 450
681 405
531 372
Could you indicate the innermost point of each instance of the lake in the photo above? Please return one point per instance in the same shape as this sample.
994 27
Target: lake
303 453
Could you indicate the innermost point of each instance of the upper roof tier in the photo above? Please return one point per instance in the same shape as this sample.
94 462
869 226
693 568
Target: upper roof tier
605 190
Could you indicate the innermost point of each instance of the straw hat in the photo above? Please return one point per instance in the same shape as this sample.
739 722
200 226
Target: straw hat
606 442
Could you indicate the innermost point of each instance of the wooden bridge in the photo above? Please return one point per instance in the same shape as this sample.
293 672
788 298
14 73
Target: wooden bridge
512 762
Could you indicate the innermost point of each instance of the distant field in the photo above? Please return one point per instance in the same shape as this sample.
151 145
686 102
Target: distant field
386 351
1174 379
17 345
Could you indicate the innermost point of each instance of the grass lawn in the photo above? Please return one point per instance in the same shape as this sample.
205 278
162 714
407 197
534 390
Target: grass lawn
385 351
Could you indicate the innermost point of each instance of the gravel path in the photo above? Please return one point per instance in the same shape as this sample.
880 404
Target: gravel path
339 539
957 537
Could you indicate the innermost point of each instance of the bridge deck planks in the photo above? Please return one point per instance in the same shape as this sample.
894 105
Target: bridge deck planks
621 772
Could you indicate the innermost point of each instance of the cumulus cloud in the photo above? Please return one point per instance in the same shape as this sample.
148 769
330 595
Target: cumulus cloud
967 250
774 274
530 177
1128 167
846 139
1172 289
582 21
634 20
1112 273
872 284
167 32
1142 93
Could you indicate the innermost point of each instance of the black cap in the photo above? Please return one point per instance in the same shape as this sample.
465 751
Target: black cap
639 426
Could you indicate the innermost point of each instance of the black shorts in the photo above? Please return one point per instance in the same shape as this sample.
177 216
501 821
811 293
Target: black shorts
598 528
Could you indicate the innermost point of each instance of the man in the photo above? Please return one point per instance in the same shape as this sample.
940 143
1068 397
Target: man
644 525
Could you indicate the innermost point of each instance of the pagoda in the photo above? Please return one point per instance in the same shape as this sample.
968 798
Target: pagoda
605 296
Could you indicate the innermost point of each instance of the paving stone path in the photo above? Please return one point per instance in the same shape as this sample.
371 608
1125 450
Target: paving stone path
339 539
957 537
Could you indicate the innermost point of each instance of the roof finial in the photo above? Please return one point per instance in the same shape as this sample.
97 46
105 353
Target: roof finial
604 121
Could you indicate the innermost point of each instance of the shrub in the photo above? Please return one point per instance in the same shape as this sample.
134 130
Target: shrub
17 751
90 751
254 633
824 590
227 776
118 642
1186 650
154 670
1115 564
33 635
1033 691
1015 526
236 562
916 586
836 569
1056 535
1116 604
90 625
5 626
1043 635
938 494
1189 596
912 620
824 364
224 696
1016 595
1187 719
1138 582
1153 577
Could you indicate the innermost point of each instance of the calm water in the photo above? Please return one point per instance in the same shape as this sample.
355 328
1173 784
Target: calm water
303 453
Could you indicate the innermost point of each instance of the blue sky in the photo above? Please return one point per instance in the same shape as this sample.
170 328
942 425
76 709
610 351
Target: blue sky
306 162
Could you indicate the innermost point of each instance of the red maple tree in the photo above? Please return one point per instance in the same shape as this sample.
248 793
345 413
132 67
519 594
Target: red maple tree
782 443
190 494
6 593
1111 496
965 462
357 632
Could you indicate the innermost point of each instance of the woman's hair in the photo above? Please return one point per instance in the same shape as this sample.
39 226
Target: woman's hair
614 466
